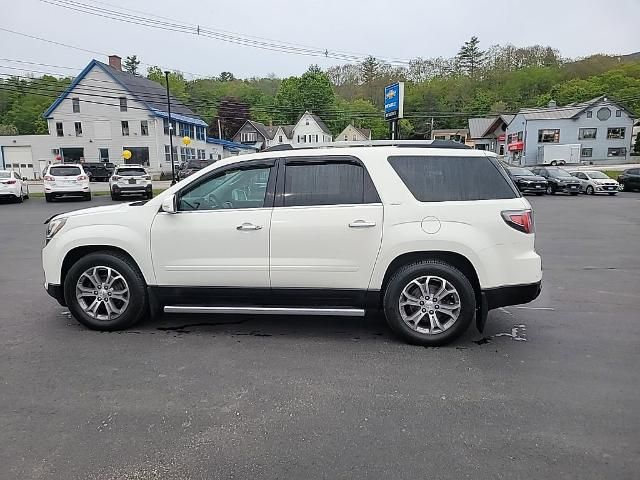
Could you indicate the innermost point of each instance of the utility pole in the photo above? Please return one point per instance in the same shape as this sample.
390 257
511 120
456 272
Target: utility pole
431 131
219 129
173 167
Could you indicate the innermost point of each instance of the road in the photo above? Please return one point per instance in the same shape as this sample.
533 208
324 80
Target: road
551 391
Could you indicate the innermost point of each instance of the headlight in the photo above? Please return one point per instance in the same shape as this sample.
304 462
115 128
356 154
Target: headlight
54 226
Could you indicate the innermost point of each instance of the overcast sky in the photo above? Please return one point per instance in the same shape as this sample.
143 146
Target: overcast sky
385 29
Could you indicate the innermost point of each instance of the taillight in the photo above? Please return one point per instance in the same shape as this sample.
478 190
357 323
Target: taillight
11 182
521 220
115 178
81 178
49 178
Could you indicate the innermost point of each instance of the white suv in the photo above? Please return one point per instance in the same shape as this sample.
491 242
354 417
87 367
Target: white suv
432 236
66 179
130 180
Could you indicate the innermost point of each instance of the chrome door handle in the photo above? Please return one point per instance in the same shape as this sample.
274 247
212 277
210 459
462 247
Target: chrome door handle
361 224
248 226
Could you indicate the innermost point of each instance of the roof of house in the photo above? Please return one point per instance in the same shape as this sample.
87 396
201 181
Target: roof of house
320 123
366 132
571 110
149 93
478 126
231 145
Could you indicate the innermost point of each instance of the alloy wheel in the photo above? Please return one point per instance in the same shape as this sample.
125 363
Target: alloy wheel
429 305
102 293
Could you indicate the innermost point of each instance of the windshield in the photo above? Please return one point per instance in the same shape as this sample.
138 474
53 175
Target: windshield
5 175
64 171
560 174
597 175
131 172
521 172
197 165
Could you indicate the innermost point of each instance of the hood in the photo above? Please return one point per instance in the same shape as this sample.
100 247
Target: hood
89 211
532 178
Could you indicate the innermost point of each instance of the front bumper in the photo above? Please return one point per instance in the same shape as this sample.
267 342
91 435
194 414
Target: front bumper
606 188
511 295
571 188
532 187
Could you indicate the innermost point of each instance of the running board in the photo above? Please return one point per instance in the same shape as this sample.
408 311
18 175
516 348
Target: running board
342 312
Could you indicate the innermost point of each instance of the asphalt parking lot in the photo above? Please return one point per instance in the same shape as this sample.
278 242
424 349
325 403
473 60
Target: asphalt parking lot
551 390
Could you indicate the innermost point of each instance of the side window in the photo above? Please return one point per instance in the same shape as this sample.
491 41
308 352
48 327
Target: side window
441 179
230 189
330 182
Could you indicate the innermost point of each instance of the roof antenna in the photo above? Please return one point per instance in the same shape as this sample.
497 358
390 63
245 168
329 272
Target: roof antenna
326 53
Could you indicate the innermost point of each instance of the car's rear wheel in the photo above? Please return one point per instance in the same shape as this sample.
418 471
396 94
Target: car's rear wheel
106 291
550 190
114 196
429 303
48 197
87 197
623 187
590 190
553 163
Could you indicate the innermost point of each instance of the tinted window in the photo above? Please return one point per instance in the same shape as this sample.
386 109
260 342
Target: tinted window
521 172
197 165
439 179
327 183
62 171
229 189
131 172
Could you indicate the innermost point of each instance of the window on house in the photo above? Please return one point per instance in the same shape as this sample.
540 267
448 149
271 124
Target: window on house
144 128
167 153
618 113
103 153
587 133
549 135
78 127
165 125
439 137
355 138
125 128
346 138
123 104
617 152
186 130
248 137
586 152
201 133
615 132
589 114
520 135
59 129
202 155
280 139
75 105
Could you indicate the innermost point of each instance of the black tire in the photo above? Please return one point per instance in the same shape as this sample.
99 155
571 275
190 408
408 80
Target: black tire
590 190
624 187
149 195
114 196
48 197
138 302
87 197
553 163
20 198
551 190
403 276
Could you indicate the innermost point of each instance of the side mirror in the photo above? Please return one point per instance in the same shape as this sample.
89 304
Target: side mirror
169 204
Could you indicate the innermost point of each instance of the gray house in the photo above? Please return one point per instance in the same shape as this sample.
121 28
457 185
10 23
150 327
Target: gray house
602 127
489 133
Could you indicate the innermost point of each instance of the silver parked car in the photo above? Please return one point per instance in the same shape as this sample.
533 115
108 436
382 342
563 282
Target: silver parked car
593 181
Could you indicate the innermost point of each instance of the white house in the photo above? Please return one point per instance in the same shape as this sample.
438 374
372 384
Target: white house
310 129
103 112
351 133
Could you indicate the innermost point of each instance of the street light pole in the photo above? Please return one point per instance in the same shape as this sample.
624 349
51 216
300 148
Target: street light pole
173 168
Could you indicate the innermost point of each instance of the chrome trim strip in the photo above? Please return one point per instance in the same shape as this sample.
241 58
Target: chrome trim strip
343 312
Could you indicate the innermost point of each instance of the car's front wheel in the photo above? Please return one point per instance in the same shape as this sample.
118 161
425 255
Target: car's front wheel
590 190
550 190
429 303
106 291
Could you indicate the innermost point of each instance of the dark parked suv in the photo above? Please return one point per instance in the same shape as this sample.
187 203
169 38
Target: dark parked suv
630 179
526 181
99 171
558 180
191 167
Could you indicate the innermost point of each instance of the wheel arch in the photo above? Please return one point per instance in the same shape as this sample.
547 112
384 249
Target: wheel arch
454 259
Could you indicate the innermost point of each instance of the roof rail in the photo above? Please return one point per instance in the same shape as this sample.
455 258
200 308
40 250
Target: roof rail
372 143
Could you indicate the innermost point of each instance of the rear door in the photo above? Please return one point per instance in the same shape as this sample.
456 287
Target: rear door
326 227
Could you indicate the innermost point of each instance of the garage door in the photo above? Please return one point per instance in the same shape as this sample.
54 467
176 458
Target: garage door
20 160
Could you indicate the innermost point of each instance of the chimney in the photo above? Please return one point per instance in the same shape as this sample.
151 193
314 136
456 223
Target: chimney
271 122
115 62
552 104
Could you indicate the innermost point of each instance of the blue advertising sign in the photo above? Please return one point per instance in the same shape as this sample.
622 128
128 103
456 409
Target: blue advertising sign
394 101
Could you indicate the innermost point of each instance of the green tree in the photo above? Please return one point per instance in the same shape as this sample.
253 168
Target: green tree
226 77
636 145
312 91
177 82
369 69
8 130
131 64
470 57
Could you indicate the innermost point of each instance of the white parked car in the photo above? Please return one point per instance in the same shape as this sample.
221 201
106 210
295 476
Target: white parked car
434 237
13 186
66 179
130 180
593 181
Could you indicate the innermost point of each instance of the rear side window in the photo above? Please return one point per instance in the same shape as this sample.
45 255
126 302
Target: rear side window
331 182
64 171
441 179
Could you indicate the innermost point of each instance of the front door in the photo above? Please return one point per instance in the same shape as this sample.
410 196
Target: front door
326 227
219 236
